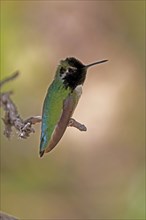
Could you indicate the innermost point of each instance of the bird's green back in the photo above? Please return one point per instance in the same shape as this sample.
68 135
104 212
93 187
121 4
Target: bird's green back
52 110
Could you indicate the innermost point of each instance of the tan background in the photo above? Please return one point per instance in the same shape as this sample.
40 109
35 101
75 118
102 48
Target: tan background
97 174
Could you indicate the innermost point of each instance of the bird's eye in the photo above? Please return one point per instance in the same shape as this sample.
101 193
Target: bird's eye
71 70
62 70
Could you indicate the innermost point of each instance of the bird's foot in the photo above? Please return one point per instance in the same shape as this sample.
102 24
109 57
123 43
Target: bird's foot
76 124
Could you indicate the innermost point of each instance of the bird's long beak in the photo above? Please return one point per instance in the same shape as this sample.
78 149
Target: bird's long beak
98 62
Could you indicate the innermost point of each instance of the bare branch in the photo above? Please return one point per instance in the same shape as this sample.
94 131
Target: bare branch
13 119
76 124
4 216
13 76
33 120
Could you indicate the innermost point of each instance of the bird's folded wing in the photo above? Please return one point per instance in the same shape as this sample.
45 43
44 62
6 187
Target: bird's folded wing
69 105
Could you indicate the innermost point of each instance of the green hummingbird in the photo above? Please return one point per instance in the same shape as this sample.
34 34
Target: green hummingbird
61 100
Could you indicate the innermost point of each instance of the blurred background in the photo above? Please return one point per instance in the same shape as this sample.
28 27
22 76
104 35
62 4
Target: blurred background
96 174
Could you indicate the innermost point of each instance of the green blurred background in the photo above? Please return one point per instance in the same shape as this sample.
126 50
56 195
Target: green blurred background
96 174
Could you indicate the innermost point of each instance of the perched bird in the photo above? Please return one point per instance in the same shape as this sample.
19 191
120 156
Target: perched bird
61 100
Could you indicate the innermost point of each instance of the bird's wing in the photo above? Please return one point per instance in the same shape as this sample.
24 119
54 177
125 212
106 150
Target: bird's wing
68 107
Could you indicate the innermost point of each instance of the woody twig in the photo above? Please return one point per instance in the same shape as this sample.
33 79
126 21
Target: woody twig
13 119
11 116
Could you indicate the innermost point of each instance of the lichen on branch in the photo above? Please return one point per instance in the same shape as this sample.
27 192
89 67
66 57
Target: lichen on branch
11 116
13 119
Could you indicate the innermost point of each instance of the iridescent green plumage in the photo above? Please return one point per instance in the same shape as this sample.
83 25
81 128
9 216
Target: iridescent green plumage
61 100
52 110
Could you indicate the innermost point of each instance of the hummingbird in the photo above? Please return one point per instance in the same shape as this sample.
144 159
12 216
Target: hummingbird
61 100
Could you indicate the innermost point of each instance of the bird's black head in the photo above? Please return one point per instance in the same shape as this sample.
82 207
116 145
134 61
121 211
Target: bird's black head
73 72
